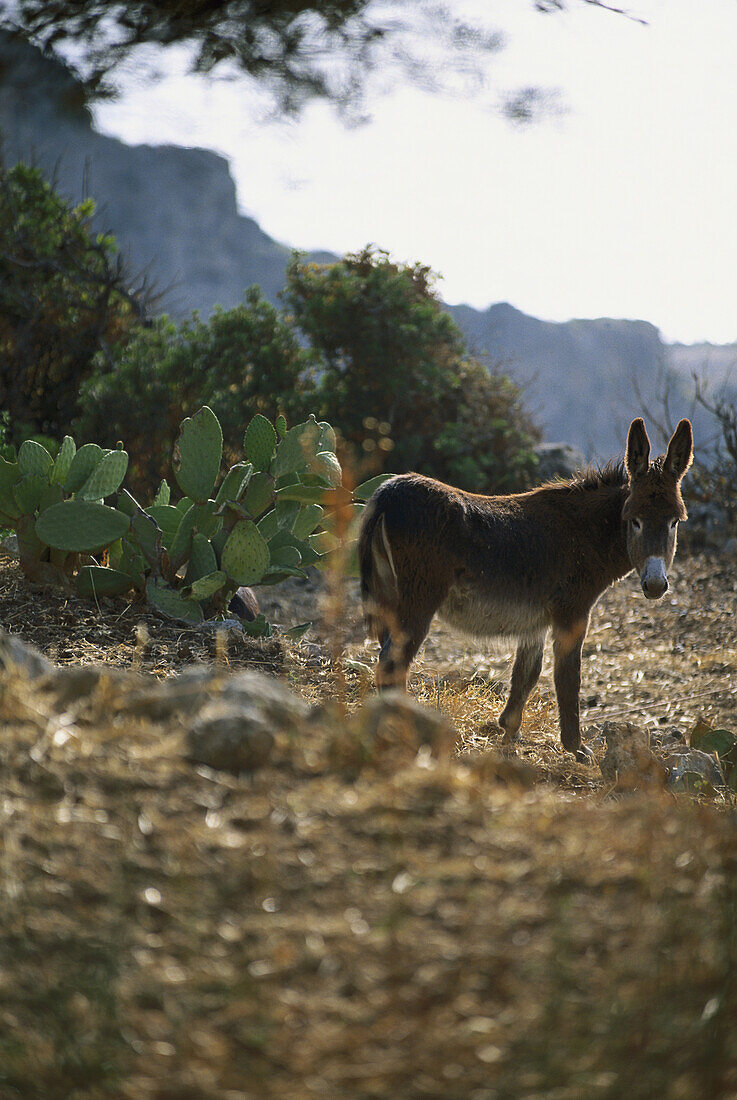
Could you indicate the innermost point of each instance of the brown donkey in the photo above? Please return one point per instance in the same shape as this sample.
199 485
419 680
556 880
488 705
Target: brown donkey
514 566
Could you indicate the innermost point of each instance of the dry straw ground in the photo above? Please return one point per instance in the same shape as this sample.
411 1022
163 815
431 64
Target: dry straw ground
467 928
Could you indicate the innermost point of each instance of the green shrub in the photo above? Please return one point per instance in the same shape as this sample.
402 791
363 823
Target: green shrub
392 355
240 362
487 441
64 297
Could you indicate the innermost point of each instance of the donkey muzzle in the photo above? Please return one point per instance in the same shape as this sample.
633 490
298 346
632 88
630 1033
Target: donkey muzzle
653 579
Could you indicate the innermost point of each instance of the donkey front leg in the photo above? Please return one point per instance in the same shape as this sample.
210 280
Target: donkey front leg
528 664
567 645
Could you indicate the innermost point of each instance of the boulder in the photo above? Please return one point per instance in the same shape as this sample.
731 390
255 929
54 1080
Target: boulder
629 761
558 460
230 738
389 730
17 655
686 764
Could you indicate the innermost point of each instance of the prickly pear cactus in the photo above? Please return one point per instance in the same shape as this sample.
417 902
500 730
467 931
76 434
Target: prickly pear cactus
173 604
106 478
198 451
259 442
245 556
33 458
80 468
64 460
80 526
272 515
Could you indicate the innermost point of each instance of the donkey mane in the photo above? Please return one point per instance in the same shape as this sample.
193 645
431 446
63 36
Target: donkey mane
612 475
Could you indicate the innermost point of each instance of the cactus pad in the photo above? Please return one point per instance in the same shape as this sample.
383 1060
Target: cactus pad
259 442
245 556
202 560
298 448
163 494
81 466
172 604
181 544
308 518
95 581
168 519
260 494
27 492
368 488
80 525
106 476
328 440
64 460
235 482
33 458
204 519
327 466
198 451
305 494
205 587
285 557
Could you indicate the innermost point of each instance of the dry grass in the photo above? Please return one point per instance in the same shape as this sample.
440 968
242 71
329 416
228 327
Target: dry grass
464 929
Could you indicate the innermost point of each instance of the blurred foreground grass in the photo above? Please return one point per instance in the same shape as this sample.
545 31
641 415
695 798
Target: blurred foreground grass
424 928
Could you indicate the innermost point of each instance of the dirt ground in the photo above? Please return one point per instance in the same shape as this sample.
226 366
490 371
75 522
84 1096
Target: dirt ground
462 928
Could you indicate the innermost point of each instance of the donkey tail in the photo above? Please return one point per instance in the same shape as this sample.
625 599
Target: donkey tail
379 590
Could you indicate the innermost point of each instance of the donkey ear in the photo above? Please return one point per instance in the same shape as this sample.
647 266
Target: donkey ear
638 449
680 450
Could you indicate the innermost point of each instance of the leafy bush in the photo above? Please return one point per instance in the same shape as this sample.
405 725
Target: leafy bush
392 354
64 297
241 361
487 441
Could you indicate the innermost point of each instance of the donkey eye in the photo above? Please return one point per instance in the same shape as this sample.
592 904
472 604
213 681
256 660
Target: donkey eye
636 524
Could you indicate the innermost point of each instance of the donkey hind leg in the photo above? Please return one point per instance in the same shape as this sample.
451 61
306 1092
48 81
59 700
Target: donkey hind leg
567 645
525 674
399 644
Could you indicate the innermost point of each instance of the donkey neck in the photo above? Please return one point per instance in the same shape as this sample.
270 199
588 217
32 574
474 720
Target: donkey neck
603 530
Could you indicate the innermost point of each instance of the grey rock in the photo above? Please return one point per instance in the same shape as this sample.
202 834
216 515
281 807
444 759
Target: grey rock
18 656
629 761
9 546
730 548
230 737
75 683
393 716
671 737
244 604
558 460
217 626
693 762
195 687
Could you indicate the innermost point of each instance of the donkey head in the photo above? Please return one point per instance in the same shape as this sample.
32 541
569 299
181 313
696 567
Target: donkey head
654 505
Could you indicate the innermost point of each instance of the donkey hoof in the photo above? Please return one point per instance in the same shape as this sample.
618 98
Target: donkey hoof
585 755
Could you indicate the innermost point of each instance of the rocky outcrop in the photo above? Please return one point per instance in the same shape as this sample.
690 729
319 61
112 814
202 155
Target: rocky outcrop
172 210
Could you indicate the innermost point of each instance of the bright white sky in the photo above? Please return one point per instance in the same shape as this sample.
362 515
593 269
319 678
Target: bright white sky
623 206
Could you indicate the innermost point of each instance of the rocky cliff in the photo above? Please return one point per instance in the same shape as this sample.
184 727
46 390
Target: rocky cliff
172 210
